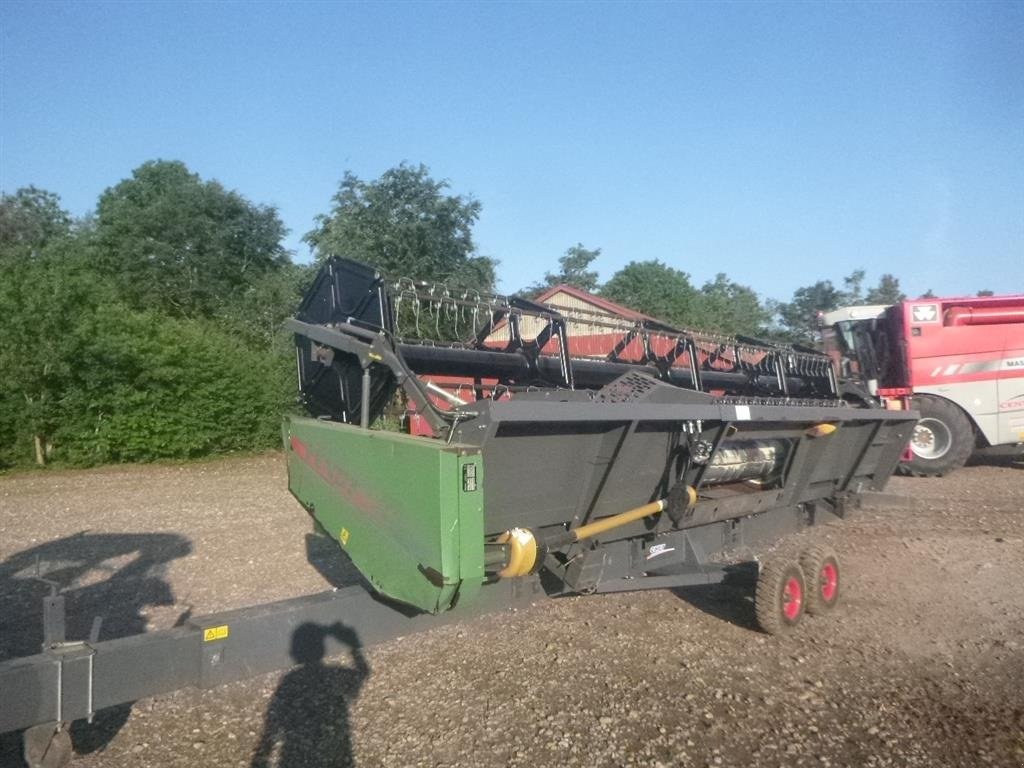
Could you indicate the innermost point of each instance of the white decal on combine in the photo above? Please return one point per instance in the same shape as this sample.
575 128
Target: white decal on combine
982 366
926 313
979 366
742 413
659 549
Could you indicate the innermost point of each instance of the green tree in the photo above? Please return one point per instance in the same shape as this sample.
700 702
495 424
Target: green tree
92 366
256 314
886 292
728 307
45 302
573 270
854 283
29 219
406 225
150 386
87 379
799 316
929 294
41 300
986 292
173 242
656 289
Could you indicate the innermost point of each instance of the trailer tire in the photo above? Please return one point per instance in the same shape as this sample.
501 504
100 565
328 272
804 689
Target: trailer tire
46 746
943 438
780 596
821 567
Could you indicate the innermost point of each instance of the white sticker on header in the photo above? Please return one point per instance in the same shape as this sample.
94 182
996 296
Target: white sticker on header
742 413
659 549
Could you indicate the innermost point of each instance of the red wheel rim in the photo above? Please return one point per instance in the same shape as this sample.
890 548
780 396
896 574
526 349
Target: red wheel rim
792 598
829 582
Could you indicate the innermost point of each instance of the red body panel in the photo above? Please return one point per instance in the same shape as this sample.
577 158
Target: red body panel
969 351
958 340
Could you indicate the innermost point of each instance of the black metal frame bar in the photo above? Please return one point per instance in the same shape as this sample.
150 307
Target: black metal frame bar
356 303
73 680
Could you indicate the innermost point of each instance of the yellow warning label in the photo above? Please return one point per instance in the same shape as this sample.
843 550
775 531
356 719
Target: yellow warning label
374 356
215 633
343 536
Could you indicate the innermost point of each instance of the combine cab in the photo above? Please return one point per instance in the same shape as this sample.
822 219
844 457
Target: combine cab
659 463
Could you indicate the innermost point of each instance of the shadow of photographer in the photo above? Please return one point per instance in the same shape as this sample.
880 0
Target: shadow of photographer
307 720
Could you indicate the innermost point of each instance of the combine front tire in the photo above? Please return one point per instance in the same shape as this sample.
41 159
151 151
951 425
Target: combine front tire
780 597
821 567
943 438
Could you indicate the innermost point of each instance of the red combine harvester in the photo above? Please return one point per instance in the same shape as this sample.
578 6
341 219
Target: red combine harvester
958 361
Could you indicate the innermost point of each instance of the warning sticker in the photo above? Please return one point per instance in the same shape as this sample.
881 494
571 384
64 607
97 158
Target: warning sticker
343 536
215 633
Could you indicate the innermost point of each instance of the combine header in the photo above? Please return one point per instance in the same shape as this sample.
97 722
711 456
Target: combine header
604 455
568 454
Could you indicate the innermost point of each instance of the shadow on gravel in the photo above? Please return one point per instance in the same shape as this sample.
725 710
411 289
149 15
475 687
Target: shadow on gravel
1015 460
331 561
732 600
110 577
307 720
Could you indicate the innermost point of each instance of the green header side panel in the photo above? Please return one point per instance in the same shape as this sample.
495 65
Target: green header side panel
408 511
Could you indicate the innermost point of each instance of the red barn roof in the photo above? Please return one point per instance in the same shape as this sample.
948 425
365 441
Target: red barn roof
603 304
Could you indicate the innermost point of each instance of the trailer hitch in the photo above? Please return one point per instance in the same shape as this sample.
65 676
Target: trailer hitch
48 745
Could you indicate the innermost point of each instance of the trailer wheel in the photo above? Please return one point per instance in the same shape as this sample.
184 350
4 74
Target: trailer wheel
46 746
780 596
943 438
821 567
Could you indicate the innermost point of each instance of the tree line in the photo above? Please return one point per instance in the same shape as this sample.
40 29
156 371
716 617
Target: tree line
151 328
721 304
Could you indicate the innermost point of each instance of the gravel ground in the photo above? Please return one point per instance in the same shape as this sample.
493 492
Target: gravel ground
923 665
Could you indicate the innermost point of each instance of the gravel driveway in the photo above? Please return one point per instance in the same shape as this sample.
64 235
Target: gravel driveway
923 665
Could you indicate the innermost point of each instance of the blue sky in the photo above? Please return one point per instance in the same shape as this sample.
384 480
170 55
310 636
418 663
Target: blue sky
779 143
